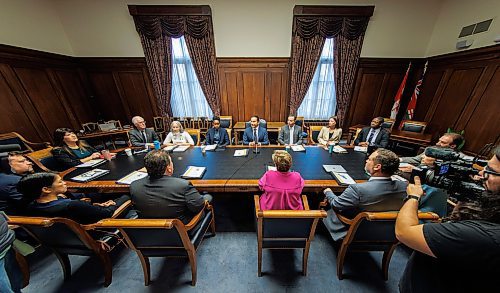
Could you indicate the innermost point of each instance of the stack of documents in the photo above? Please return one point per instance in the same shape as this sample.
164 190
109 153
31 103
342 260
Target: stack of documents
334 168
181 148
193 172
339 150
339 173
241 153
360 149
136 175
90 175
210 147
91 163
298 148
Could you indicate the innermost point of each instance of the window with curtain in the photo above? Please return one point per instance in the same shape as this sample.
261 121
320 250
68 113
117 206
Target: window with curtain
320 101
187 97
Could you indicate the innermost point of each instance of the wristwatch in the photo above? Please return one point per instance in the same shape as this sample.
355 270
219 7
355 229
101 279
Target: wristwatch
410 196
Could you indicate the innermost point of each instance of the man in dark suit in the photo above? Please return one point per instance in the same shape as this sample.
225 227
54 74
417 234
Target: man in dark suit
141 136
380 193
216 134
162 196
10 197
254 134
290 134
374 135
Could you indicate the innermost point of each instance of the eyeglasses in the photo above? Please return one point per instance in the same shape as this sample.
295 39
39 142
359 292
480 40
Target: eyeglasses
487 170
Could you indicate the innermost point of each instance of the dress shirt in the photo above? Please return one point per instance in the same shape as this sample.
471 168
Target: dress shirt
291 135
373 132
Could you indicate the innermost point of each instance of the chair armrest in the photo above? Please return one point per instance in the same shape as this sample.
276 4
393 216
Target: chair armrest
323 204
305 202
133 223
121 208
258 212
198 216
294 214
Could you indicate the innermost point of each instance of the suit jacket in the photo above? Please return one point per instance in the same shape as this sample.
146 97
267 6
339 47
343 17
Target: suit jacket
262 136
67 160
376 195
381 141
137 140
223 139
415 161
324 135
284 135
166 198
10 198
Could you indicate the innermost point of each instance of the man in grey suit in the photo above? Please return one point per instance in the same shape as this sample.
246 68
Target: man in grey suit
290 134
448 140
140 136
162 196
380 193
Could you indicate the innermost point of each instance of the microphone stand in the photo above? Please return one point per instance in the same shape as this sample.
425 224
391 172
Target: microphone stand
256 149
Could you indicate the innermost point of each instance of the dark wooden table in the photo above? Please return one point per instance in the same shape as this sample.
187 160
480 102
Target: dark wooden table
226 173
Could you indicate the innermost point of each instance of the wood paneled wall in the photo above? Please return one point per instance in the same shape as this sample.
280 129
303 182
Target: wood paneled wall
254 86
42 91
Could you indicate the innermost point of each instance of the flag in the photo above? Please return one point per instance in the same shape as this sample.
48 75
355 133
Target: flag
413 101
397 98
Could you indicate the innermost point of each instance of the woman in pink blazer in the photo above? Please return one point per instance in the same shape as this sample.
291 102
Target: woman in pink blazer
282 189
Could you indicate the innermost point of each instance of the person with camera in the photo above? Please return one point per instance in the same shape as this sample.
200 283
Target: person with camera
461 254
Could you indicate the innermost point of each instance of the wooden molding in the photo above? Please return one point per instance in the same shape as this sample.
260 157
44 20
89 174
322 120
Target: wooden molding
333 10
160 10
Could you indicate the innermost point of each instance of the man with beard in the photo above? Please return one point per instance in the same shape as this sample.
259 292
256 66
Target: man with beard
10 198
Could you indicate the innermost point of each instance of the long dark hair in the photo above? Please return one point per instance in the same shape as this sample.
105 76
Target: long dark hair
486 207
336 121
31 185
59 134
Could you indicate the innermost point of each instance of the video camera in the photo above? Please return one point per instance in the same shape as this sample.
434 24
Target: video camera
451 172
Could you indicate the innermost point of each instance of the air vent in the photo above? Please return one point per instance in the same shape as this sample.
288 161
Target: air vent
475 28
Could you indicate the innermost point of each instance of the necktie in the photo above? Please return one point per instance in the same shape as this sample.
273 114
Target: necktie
144 136
255 138
370 137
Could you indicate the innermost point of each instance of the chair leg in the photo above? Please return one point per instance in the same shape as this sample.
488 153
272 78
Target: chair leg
340 260
212 226
145 267
108 268
25 269
192 262
386 259
65 264
305 256
259 260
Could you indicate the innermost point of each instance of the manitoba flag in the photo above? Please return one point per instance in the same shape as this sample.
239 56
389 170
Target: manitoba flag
397 98
413 101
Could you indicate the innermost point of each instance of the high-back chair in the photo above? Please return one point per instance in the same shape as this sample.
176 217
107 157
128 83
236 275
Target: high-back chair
195 134
286 229
388 124
90 127
226 122
372 231
313 133
413 126
44 160
10 139
164 237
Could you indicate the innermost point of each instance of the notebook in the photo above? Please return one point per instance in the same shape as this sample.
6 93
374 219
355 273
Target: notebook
136 175
298 148
343 178
334 168
90 175
241 153
193 172
91 163
181 148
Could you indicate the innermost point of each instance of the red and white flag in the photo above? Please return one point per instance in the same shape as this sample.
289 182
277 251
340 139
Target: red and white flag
410 110
397 98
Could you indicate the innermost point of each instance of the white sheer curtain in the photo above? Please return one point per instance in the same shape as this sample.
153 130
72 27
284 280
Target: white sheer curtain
320 101
187 97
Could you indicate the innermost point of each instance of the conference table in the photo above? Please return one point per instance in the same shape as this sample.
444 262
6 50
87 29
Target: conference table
227 173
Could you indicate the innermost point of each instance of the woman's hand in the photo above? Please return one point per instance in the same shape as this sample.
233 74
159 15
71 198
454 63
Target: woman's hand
95 156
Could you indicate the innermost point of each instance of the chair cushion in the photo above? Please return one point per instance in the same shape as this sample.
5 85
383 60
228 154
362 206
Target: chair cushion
412 127
298 243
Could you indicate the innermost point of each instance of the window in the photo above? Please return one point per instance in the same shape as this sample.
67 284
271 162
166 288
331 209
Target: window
187 97
320 101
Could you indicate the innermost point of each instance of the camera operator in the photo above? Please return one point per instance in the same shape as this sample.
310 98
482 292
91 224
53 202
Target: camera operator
462 255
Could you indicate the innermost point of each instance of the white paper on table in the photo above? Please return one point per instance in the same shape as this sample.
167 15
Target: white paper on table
136 175
91 163
360 149
194 172
334 168
90 175
211 147
339 150
298 148
240 153
343 178
181 148
169 148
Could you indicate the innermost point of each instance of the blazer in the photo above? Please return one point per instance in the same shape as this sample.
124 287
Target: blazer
166 198
10 198
324 135
381 141
137 140
282 191
67 160
262 136
376 195
223 139
284 135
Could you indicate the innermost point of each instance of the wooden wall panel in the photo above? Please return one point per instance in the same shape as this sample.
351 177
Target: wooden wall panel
105 92
432 81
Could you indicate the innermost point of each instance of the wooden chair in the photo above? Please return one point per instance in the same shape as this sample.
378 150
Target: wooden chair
14 138
117 123
44 160
372 231
286 229
388 124
90 127
313 133
64 236
413 126
164 237
195 134
226 122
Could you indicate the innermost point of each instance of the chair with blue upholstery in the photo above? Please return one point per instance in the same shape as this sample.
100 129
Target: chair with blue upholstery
44 160
413 126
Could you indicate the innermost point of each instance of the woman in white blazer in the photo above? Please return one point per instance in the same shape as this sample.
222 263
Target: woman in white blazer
331 134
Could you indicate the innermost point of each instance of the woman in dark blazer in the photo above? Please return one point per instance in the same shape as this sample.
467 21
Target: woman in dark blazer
216 134
70 151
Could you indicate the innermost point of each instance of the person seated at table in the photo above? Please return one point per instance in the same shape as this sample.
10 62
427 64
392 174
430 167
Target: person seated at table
254 134
331 134
448 140
380 193
290 134
373 135
282 188
177 135
45 194
70 151
162 196
141 136
216 134
11 200
435 199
